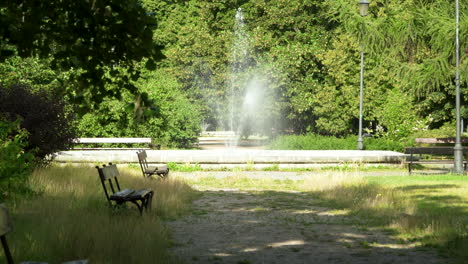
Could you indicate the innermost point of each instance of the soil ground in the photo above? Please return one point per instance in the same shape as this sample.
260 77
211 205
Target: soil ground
232 226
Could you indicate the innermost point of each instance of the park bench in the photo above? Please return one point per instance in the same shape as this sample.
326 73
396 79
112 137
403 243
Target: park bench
116 196
82 141
437 154
148 171
5 227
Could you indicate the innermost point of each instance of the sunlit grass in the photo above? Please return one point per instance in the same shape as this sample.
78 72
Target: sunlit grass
70 219
440 217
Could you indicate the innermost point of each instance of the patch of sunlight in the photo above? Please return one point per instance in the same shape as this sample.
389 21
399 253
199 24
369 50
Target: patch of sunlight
250 250
287 243
395 246
222 254
259 209
353 235
239 209
251 222
305 211
334 212
345 240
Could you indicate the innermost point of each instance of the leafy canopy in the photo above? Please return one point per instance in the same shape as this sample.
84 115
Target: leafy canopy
92 35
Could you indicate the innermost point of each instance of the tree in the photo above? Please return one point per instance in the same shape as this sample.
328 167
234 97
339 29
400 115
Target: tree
161 111
309 51
95 36
413 42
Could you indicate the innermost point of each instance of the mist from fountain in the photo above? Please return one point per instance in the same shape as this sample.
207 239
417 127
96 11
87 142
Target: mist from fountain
247 87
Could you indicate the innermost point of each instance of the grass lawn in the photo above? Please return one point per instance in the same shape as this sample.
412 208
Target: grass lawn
68 218
440 214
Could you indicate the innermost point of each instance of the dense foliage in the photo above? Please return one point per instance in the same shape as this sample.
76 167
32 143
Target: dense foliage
45 116
15 162
309 51
159 111
318 142
101 55
96 36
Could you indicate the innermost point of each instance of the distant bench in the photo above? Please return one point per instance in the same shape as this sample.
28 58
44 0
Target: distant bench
444 152
113 141
438 140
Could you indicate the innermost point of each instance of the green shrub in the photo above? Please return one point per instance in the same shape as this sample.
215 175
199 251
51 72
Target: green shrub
383 143
313 141
184 167
15 162
397 115
317 142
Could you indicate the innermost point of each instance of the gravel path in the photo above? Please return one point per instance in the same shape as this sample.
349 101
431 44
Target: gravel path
231 226
290 175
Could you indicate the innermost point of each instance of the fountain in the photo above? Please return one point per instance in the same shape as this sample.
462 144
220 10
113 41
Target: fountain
247 88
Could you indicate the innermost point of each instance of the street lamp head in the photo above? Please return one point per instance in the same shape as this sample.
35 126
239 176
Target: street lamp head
364 7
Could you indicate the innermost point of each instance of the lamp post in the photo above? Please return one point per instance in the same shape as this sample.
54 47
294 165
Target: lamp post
458 149
363 10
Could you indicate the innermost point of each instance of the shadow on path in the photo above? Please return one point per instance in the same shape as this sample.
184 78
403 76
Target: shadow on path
229 226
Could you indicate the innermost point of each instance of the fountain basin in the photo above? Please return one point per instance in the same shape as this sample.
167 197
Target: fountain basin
300 158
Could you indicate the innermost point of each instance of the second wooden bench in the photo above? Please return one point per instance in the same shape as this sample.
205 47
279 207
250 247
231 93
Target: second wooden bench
445 153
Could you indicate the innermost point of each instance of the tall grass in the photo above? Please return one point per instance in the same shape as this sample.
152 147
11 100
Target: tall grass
70 219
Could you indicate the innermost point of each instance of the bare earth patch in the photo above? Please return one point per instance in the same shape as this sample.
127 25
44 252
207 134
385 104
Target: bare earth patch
230 226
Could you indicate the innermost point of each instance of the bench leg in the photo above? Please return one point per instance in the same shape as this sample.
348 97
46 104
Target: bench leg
411 163
149 201
145 202
140 206
7 250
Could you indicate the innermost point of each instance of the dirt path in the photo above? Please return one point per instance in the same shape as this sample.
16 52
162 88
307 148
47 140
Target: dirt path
229 226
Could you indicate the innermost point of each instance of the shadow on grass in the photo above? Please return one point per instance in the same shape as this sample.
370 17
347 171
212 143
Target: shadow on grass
417 212
293 227
426 187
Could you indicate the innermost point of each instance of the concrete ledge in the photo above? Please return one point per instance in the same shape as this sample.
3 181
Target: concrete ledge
234 156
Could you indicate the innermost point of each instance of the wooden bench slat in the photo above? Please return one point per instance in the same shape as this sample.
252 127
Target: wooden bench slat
158 169
140 193
122 195
109 172
433 150
431 161
438 140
